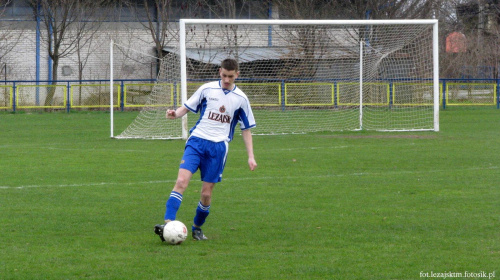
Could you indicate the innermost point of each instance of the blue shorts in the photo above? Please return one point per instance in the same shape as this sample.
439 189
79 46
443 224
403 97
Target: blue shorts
209 157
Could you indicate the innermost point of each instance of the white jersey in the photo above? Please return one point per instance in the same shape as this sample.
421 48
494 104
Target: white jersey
220 110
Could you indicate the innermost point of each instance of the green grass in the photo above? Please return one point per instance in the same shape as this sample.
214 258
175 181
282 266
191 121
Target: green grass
75 204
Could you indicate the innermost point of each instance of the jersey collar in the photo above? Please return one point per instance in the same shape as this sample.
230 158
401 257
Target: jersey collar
226 91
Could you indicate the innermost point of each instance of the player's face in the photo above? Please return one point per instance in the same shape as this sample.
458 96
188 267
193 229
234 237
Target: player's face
228 77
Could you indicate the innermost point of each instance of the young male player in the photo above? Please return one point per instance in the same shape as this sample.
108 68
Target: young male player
221 105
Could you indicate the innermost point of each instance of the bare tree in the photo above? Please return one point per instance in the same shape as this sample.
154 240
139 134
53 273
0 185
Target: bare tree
9 38
8 41
155 17
478 21
309 39
351 9
230 9
233 38
67 27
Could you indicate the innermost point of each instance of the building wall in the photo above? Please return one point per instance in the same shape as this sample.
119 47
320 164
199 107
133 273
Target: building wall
19 54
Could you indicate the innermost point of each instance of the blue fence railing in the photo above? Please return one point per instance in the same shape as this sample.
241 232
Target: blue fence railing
95 94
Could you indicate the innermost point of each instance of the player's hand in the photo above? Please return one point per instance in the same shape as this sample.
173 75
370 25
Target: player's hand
252 164
171 114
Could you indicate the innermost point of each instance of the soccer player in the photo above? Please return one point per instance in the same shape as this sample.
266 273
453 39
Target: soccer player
222 105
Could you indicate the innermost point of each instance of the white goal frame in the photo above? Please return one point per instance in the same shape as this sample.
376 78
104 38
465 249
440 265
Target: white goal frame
435 51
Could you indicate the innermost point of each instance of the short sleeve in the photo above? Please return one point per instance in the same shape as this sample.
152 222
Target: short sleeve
193 103
245 116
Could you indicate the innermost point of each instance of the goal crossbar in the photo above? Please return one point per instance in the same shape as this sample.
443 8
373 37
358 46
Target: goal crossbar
307 22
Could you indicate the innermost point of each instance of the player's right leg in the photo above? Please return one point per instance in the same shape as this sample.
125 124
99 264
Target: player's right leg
174 201
189 165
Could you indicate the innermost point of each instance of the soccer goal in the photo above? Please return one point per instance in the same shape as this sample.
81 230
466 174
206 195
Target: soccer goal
307 75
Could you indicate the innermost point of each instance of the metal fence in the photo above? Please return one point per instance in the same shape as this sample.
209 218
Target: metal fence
133 94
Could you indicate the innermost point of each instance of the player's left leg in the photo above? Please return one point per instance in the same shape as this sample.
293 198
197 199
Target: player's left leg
211 168
203 210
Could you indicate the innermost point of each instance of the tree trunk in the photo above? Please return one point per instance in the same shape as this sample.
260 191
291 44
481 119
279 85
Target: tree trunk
49 99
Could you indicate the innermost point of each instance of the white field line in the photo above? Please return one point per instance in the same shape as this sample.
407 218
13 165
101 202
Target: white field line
87 185
25 147
142 151
271 178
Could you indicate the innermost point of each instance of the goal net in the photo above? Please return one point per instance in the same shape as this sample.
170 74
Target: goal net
306 76
137 68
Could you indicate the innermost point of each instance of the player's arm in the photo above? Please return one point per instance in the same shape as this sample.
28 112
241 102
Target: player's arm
247 139
174 114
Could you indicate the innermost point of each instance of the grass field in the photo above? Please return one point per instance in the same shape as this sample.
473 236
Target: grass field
75 204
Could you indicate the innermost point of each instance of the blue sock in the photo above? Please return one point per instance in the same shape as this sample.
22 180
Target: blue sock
173 204
202 212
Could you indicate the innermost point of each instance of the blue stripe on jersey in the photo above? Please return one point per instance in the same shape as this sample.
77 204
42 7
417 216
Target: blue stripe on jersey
244 118
239 115
234 121
203 106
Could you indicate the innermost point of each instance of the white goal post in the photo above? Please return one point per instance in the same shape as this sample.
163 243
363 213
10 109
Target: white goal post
305 75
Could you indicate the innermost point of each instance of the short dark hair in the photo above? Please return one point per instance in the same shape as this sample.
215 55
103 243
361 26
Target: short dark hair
229 64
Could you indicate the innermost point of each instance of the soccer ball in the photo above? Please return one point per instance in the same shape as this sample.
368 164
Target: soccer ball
175 232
